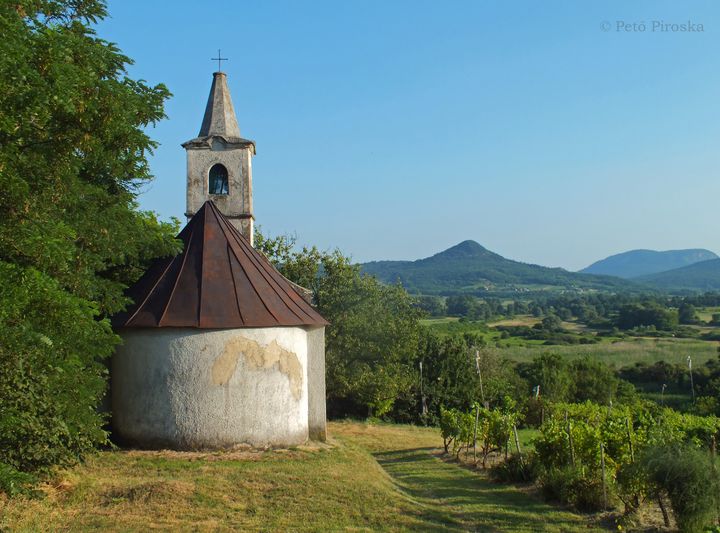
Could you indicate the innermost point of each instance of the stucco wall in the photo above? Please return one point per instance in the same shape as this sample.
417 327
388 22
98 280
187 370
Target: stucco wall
317 418
211 388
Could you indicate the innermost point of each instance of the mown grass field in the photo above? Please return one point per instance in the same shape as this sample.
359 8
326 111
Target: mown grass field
369 478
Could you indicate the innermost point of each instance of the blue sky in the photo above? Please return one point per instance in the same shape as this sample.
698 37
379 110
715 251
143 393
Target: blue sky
550 132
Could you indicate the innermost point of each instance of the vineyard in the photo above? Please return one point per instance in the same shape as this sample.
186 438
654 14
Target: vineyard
600 458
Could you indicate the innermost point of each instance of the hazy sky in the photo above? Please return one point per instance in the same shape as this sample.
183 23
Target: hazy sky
550 132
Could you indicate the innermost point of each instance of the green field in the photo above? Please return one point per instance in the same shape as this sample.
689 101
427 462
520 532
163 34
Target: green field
624 352
612 350
369 478
705 313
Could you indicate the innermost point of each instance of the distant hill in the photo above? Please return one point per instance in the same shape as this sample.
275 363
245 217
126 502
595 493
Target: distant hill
698 277
468 267
636 263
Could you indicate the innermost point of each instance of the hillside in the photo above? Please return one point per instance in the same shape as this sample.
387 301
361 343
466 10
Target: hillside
468 267
636 263
699 277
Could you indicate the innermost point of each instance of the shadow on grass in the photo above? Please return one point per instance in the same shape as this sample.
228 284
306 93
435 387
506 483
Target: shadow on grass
461 499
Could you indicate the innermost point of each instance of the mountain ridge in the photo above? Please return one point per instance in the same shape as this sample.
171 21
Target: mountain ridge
701 276
470 267
643 262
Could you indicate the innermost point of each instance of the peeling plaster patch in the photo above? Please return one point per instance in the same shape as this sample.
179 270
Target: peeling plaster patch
258 357
224 366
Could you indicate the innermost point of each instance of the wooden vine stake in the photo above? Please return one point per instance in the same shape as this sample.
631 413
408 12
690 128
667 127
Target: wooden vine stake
629 437
517 446
713 455
663 509
477 419
570 439
604 482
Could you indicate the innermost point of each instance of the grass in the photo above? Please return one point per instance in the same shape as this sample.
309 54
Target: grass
705 313
521 320
624 352
611 350
370 478
526 436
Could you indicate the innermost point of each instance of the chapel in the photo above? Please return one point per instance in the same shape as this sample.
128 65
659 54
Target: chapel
219 349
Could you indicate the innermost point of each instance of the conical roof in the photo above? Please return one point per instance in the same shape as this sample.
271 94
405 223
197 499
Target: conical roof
218 281
219 120
219 116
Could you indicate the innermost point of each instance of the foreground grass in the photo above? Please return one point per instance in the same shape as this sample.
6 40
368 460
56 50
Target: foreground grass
373 477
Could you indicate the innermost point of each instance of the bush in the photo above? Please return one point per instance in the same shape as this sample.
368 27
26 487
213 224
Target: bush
518 468
689 476
52 378
456 428
569 485
12 481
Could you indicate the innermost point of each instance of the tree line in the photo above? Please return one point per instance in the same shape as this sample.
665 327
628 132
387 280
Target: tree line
598 310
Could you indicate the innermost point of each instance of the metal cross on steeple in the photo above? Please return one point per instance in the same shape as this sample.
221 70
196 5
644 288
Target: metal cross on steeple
219 58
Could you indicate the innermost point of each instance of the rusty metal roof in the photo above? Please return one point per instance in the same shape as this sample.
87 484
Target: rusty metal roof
218 281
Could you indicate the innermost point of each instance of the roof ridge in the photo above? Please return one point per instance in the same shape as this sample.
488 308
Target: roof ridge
220 223
261 270
270 269
261 263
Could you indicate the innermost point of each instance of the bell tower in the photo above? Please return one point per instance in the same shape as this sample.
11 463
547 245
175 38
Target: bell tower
219 162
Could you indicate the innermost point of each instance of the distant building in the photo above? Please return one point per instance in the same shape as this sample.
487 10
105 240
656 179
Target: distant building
219 348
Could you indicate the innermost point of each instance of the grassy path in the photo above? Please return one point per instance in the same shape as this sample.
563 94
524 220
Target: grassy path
471 501
454 498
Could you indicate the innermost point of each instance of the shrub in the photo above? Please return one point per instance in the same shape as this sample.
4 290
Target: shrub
12 481
570 485
456 428
51 345
689 476
518 468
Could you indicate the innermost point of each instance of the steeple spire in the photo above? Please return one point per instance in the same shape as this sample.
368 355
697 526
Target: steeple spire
219 162
220 116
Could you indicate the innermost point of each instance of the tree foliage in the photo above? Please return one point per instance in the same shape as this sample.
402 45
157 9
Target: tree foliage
73 157
374 331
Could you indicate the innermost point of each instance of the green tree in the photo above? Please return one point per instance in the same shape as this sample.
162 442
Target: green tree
551 372
73 154
450 376
432 305
687 313
551 323
372 340
461 304
593 380
644 315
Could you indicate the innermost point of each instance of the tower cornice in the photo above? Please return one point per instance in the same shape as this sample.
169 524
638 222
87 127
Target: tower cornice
205 143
